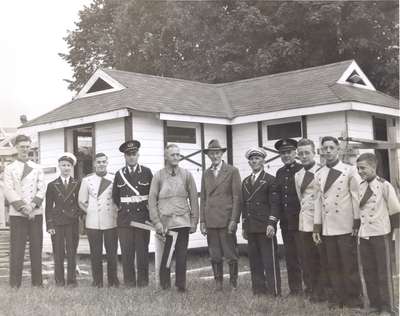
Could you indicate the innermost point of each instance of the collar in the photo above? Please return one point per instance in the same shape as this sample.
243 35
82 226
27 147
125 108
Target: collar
23 161
132 168
333 164
308 167
371 179
101 174
172 171
65 178
257 173
217 167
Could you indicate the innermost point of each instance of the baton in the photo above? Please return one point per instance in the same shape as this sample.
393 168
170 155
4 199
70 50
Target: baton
273 260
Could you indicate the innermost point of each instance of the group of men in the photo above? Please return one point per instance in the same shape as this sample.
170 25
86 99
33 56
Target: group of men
321 211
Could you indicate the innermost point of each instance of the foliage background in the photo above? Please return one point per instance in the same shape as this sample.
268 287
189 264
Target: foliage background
222 41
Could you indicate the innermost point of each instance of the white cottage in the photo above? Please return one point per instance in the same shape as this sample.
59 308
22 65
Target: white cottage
113 106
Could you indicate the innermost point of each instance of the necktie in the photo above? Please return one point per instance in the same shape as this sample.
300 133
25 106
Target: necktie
368 193
65 183
253 179
215 171
173 173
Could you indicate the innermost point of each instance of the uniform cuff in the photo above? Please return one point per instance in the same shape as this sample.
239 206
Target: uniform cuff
356 224
317 228
38 201
394 220
18 205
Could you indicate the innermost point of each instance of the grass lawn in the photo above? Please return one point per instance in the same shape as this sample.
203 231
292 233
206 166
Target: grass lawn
200 299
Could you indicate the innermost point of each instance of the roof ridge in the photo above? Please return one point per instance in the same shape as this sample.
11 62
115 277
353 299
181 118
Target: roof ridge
285 73
157 77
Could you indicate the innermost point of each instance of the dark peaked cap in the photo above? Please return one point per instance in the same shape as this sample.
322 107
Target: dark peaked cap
286 144
129 146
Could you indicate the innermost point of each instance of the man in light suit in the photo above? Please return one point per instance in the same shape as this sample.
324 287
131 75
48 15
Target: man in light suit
24 188
220 212
95 199
314 256
337 217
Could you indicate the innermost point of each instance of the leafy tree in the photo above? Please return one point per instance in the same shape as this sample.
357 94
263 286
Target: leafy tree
220 41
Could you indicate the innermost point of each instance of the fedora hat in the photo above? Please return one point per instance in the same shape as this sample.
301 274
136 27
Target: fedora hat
214 145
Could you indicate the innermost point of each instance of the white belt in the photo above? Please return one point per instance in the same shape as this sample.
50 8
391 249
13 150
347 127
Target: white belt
134 199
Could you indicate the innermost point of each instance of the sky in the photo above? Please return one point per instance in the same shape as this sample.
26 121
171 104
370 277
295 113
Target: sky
32 73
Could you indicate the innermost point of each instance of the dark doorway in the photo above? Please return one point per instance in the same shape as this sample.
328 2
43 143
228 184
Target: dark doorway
380 133
83 144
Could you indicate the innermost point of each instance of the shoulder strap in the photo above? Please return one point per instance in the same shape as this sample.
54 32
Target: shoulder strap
127 183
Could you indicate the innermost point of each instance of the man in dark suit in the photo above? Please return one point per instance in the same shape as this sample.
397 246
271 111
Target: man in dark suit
260 196
289 213
131 193
220 212
62 219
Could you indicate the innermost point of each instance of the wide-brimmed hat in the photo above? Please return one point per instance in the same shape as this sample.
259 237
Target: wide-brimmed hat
130 146
214 145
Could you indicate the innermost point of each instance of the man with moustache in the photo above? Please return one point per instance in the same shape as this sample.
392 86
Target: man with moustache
220 212
288 213
95 199
259 197
62 219
174 206
314 256
131 193
337 218
24 188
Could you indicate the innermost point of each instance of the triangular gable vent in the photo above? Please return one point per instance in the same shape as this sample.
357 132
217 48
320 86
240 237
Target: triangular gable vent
99 85
355 77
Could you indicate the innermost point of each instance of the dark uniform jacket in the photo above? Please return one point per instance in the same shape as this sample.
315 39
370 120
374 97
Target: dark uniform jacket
290 206
62 203
259 201
140 180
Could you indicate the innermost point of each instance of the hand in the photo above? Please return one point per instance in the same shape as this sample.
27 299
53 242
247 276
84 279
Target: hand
232 227
270 231
31 215
33 205
244 234
317 238
193 229
159 229
51 231
26 210
354 232
203 229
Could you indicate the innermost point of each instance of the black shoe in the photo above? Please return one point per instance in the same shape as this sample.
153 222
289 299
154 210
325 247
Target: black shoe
334 305
355 303
233 274
260 291
181 289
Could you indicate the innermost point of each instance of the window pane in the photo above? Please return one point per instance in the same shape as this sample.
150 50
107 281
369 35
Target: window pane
181 135
380 128
286 130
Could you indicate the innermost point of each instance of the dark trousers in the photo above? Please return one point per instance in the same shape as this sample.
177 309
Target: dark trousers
293 256
180 254
221 245
314 264
95 237
66 240
343 267
20 229
376 262
264 263
134 241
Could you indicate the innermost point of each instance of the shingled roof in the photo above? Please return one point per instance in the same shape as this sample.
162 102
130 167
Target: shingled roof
289 90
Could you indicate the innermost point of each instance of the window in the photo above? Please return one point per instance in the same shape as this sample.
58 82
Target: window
380 128
285 130
83 148
355 78
181 134
99 85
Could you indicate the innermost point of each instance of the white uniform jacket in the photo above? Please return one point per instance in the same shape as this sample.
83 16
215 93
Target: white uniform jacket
336 203
305 188
24 184
96 194
377 207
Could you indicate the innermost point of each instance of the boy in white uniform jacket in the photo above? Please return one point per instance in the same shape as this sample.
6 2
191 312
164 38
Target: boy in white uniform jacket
379 210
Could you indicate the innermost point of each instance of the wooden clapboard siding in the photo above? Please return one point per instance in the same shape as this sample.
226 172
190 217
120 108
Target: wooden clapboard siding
213 131
148 129
51 148
243 137
109 136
